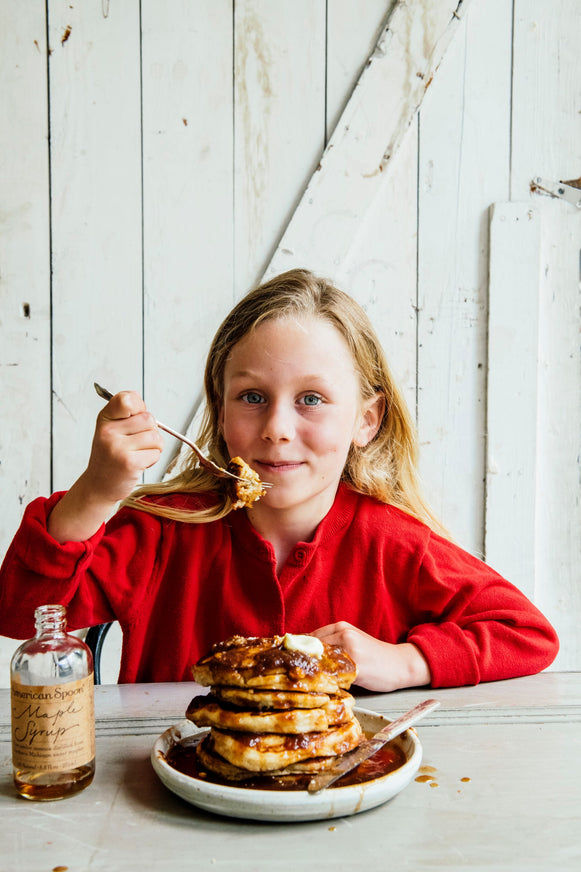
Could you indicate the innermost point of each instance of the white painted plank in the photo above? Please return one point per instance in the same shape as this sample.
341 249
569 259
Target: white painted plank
187 199
24 271
380 268
513 329
558 542
96 216
25 279
352 33
396 78
464 162
279 122
546 142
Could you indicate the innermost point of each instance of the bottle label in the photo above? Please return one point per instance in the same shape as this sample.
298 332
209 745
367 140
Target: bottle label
53 727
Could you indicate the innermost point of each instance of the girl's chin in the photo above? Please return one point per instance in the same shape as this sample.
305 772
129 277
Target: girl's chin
281 497
276 501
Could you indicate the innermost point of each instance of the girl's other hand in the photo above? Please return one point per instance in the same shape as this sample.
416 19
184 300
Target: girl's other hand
126 442
382 666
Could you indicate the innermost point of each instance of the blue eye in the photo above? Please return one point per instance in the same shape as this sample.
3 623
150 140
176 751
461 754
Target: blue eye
311 400
252 397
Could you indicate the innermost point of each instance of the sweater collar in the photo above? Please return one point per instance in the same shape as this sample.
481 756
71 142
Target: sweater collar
339 516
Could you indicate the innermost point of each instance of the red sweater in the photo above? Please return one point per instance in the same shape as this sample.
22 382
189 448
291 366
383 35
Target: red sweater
177 588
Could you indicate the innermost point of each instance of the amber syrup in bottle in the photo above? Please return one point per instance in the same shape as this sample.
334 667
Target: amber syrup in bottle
53 714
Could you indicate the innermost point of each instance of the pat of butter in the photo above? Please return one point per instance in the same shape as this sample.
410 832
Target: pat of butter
306 644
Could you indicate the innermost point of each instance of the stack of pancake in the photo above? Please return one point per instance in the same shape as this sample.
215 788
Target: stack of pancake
277 706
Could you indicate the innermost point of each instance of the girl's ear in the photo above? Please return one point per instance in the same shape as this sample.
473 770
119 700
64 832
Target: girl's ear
370 420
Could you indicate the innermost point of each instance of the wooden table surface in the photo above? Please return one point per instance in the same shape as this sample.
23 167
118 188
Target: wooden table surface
505 794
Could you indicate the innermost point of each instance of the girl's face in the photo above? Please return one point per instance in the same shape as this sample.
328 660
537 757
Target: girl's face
292 408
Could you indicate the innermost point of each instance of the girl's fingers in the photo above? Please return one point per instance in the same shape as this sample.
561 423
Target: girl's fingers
143 440
333 633
123 405
127 441
125 432
140 422
127 448
126 414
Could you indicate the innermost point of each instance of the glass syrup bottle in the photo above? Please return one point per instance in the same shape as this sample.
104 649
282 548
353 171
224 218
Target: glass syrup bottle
53 715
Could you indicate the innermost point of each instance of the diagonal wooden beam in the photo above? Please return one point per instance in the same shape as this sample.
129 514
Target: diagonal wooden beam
384 102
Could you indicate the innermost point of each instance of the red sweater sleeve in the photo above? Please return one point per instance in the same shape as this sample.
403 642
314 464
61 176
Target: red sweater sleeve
98 579
474 625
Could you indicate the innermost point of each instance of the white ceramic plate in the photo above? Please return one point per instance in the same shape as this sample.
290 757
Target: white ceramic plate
283 805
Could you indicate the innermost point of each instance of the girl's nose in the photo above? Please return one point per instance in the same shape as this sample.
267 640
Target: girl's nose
278 424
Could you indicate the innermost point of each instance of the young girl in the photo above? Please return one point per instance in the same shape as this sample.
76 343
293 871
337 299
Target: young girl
342 545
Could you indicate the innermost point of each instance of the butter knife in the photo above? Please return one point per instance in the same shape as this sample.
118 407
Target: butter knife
368 748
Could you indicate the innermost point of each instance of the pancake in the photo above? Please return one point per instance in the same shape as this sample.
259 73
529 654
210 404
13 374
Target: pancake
206 711
264 662
255 698
272 751
211 711
217 764
250 489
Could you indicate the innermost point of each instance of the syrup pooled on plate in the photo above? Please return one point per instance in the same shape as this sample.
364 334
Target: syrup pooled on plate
184 758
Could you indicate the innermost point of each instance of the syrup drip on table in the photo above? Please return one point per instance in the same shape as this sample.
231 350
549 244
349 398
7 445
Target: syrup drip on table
427 775
184 758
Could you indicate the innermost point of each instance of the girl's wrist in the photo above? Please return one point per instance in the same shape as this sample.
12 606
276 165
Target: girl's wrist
415 668
79 514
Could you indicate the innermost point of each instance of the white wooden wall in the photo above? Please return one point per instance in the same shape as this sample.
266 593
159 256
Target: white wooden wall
152 154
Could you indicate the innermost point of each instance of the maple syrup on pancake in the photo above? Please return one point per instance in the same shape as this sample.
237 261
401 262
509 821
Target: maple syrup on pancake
184 758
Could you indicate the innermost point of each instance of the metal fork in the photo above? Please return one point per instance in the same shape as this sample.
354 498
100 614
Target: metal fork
204 461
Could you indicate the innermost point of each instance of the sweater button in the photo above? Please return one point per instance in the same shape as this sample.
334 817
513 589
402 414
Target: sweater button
300 554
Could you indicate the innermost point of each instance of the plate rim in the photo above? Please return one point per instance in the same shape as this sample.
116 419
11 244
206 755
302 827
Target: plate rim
298 804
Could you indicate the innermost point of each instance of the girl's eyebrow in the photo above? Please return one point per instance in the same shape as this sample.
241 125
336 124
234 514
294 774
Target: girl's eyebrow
242 373
248 374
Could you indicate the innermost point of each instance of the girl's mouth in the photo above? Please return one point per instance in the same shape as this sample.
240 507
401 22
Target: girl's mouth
279 465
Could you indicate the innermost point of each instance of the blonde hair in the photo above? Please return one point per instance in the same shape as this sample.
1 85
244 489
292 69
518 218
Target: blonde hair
385 468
